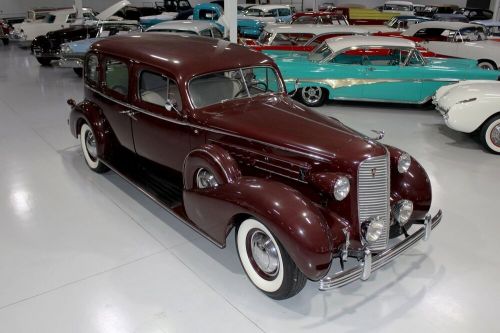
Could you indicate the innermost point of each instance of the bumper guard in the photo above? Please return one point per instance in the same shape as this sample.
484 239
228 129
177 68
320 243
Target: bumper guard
371 263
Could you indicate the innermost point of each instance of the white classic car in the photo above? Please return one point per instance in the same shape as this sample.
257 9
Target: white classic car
194 27
457 39
471 106
401 7
25 32
270 13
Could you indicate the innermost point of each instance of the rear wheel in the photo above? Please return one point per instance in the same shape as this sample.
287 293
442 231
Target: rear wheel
490 134
487 64
312 96
266 262
89 147
44 61
78 71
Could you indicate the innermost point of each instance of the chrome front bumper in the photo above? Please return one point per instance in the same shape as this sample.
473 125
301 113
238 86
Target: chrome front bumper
71 62
371 262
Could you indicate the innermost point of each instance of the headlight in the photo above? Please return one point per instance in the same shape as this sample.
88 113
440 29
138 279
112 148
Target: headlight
341 188
404 162
372 229
65 48
402 211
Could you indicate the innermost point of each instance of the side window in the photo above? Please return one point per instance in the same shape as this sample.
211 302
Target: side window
206 33
283 12
116 76
217 33
157 89
91 69
71 18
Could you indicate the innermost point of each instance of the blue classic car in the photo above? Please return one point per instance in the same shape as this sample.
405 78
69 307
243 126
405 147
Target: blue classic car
369 68
73 53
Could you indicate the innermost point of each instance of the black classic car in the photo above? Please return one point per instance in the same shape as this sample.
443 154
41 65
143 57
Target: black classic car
474 14
4 32
48 47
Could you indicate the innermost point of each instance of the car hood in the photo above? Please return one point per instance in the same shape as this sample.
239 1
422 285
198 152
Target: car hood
467 90
281 122
110 11
287 56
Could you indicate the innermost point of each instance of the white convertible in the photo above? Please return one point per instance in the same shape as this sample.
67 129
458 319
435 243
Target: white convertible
457 39
471 106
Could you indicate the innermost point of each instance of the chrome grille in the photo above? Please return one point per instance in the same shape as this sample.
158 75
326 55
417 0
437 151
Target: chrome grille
373 195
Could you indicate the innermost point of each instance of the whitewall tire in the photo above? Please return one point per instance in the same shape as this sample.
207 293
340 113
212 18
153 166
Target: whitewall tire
266 262
486 65
89 147
490 134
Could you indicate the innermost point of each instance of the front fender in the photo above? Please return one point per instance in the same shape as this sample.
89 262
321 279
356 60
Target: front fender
413 185
41 42
468 117
293 219
90 113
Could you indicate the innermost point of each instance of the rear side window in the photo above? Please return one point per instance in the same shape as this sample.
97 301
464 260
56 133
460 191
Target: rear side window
91 69
116 76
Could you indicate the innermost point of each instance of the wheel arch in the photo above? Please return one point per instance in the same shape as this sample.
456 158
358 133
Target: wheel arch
489 61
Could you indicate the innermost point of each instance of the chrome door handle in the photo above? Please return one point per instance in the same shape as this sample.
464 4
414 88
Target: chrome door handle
129 113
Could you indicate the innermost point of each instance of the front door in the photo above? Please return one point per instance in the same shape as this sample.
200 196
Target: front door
160 135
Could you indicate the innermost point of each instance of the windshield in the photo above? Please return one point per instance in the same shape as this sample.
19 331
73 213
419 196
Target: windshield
470 35
320 53
224 86
117 29
265 38
398 8
49 18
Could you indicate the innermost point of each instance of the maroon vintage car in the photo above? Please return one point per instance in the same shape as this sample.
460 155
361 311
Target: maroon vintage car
206 129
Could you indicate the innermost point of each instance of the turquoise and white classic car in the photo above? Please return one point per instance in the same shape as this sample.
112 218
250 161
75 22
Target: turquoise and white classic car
369 68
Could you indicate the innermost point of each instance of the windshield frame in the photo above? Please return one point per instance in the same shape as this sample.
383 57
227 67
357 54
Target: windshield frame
281 88
325 59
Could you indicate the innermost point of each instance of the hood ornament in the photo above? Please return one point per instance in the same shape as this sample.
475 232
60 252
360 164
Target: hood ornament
380 135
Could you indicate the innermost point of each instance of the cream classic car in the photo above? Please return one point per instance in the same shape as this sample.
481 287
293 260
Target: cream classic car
472 106
457 39
25 32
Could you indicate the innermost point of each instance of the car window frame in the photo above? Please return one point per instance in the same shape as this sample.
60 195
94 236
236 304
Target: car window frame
94 84
110 92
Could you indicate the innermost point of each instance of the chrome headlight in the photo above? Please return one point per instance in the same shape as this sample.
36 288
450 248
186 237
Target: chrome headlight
65 48
404 162
402 211
341 188
372 229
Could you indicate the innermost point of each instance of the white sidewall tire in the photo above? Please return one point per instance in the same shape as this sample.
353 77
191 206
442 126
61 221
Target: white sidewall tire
90 162
487 135
486 65
265 285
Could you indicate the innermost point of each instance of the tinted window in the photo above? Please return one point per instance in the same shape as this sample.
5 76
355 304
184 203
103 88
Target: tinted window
91 69
206 33
116 74
157 89
217 33
283 12
71 18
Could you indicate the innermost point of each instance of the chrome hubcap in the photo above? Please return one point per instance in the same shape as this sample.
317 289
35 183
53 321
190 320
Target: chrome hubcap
486 66
265 253
495 135
90 144
312 94
205 179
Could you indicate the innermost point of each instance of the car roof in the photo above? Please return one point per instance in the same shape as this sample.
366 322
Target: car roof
184 56
488 23
313 28
392 2
337 44
438 25
186 25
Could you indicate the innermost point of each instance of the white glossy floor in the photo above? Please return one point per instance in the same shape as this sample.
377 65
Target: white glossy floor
81 252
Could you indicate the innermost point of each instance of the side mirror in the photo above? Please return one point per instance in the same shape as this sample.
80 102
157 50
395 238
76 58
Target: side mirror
171 104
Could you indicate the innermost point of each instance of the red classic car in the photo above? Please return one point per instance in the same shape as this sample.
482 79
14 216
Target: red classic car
220 144
4 32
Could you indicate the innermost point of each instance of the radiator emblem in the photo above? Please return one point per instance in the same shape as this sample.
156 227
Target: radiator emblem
374 172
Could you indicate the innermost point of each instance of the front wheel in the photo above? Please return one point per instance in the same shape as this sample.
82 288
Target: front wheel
312 96
44 61
490 134
266 262
89 147
488 65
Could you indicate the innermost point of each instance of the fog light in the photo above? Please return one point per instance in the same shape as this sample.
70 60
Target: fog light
402 211
404 162
373 229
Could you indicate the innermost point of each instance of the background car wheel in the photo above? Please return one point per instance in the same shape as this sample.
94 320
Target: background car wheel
89 147
486 64
78 71
312 96
44 61
490 134
266 262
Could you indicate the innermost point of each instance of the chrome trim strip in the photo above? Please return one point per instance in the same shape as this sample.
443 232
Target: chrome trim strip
380 260
279 174
183 123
